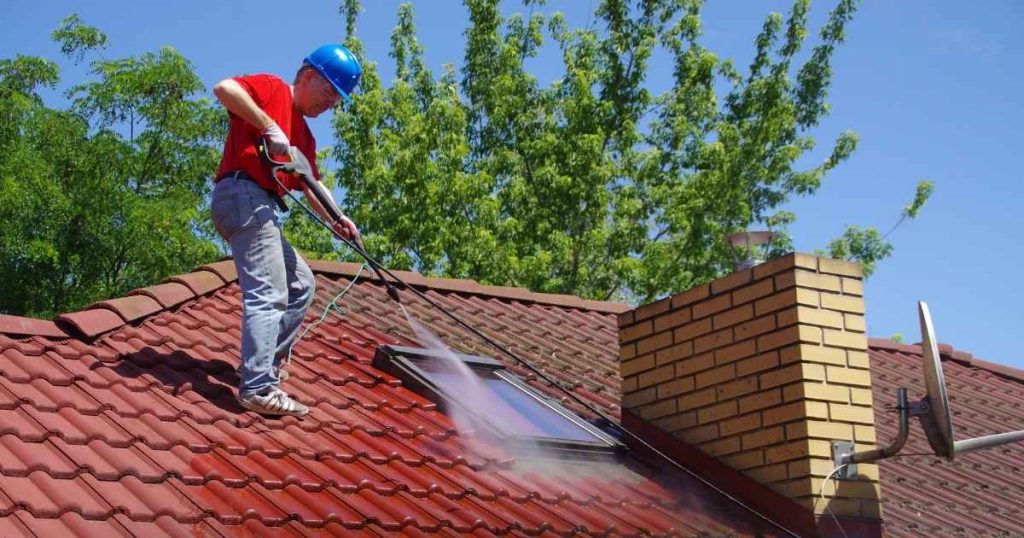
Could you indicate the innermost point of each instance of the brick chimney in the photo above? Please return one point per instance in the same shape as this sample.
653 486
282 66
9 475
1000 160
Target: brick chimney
762 369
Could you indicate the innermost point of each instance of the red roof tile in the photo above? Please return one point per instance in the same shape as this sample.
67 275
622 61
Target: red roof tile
134 429
978 494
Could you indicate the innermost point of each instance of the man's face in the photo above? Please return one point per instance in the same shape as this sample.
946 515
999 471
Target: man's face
316 94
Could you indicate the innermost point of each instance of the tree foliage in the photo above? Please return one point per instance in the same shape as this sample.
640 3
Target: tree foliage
107 194
592 184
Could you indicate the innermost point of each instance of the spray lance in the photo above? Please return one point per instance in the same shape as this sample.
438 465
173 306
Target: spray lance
299 166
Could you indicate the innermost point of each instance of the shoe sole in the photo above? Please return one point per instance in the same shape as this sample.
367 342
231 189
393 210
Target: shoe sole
264 411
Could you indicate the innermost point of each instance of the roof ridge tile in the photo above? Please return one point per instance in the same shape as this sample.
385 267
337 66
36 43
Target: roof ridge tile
948 352
25 326
472 287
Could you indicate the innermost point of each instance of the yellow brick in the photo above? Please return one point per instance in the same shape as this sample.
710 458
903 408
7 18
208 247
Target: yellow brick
692 330
657 410
673 353
721 447
777 265
819 448
775 302
676 422
636 399
823 355
733 316
628 385
840 507
801 487
848 376
763 437
781 377
712 341
653 343
808 297
672 319
691 365
675 387
735 352
691 296
861 397
858 489
635 332
700 434
857 359
852 413
819 429
717 413
745 460
785 413
697 399
653 309
814 372
736 388
855 323
760 363
829 393
786 452
717 376
754 327
767 475
816 281
845 340
853 286
731 281
864 434
816 409
760 400
653 377
843 303
712 306
840 267
789 335
809 467
819 317
740 424
868 471
748 294
636 365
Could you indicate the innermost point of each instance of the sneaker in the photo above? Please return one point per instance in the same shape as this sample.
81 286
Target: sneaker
274 402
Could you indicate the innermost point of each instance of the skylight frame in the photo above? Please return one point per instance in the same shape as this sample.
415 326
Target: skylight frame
400 361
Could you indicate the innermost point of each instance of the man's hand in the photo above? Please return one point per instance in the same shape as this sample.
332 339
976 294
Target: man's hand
347 229
277 142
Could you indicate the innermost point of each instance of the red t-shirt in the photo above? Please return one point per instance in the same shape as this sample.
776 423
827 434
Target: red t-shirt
274 96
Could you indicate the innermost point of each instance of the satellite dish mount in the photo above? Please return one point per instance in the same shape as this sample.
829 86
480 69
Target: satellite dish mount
932 411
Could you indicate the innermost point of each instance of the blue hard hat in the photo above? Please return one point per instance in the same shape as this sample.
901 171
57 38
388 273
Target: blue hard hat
339 66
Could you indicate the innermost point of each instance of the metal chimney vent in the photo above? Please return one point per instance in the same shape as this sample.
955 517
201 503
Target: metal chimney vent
749 241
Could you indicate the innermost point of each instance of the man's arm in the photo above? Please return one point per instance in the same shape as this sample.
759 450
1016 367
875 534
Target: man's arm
238 102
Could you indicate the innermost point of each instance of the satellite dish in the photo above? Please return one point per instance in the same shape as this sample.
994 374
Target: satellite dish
932 410
938 426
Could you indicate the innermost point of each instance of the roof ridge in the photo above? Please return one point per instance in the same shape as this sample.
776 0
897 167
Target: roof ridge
948 352
472 287
104 316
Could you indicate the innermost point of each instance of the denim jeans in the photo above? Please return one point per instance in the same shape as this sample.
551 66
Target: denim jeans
277 285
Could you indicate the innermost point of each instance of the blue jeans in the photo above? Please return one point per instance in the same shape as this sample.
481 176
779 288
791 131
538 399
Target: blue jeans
277 285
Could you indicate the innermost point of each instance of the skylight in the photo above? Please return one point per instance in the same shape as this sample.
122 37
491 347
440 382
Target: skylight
496 399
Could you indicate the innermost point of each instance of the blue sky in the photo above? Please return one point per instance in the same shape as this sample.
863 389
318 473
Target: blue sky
932 88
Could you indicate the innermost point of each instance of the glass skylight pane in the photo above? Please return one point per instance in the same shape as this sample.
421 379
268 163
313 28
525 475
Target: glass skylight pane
504 405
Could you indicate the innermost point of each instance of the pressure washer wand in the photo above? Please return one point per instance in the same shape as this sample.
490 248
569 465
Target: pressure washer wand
300 166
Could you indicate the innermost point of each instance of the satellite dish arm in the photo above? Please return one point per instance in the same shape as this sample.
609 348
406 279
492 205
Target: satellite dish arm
897 444
978 443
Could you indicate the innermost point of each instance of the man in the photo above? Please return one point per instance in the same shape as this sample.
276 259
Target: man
277 285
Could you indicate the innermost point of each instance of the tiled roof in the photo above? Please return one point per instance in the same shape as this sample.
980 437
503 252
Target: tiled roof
978 494
121 420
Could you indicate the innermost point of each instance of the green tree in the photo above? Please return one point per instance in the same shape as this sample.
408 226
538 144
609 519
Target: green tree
108 194
591 185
